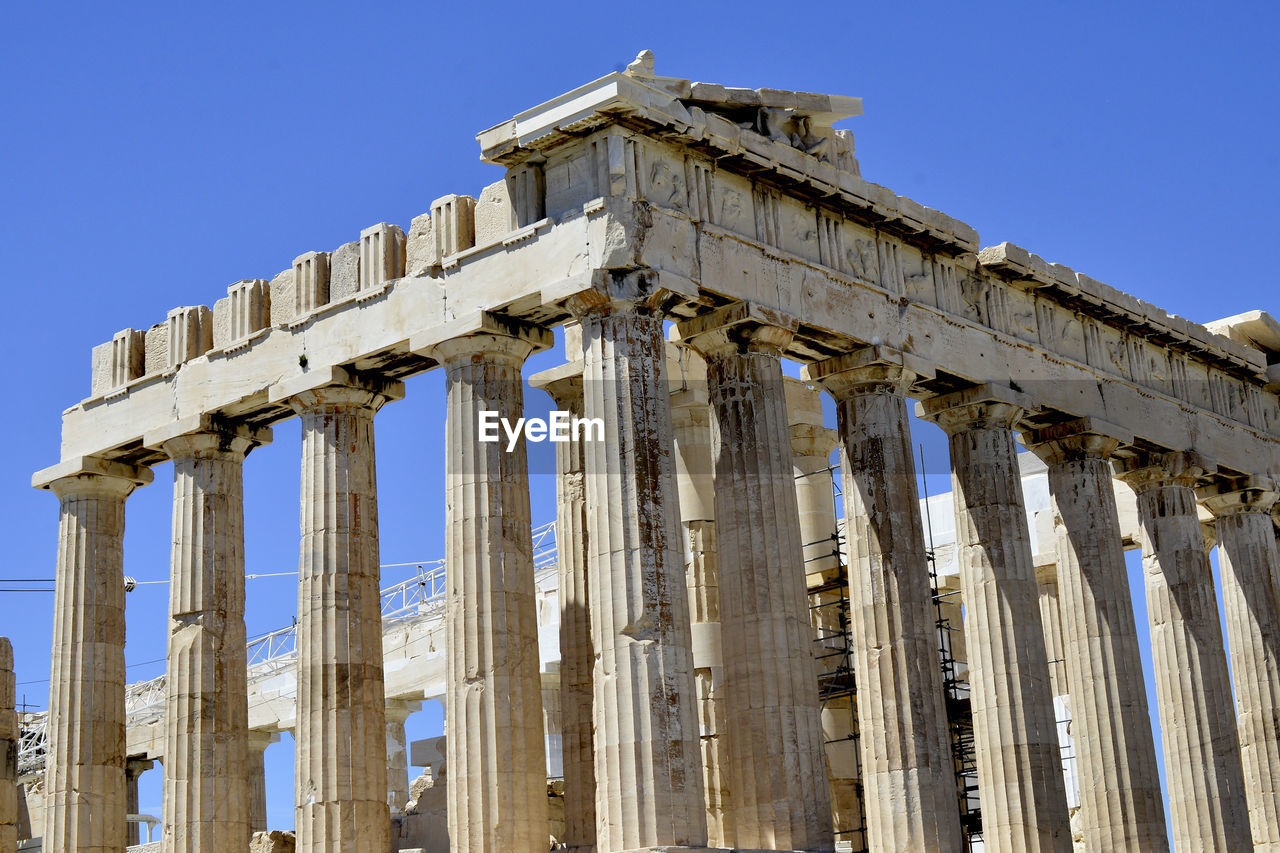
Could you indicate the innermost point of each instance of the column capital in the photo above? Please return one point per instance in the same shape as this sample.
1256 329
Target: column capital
481 333
739 328
398 710
979 407
1241 494
563 384
335 387
207 435
91 474
135 766
870 368
260 739
813 440
1153 470
1078 439
611 291
1046 566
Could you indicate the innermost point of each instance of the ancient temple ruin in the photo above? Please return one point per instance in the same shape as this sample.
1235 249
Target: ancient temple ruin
736 667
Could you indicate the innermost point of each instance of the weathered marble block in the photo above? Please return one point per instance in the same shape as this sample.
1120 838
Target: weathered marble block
382 255
344 271
453 225
118 361
311 282
244 310
494 215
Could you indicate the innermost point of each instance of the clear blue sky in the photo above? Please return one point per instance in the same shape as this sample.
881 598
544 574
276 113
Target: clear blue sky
155 153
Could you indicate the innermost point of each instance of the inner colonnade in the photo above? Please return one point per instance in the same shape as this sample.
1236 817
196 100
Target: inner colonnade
682 534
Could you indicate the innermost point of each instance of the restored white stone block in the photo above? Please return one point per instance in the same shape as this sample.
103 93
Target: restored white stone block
381 255
453 224
344 271
310 281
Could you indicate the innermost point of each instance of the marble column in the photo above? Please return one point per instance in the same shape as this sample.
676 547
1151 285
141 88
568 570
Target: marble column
1250 572
695 481
1120 801
1024 805
340 773
811 446
497 791
256 775
84 803
206 694
909 779
398 712
778 794
8 751
648 773
1193 689
133 768
564 384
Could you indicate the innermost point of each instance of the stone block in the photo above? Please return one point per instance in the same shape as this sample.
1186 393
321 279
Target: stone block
344 271
453 224
494 216
156 347
190 333
310 282
420 247
250 307
283 298
381 255
527 188
222 323
275 841
119 361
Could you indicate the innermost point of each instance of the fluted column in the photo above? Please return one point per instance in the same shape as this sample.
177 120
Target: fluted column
340 774
695 481
1120 802
1250 572
8 752
909 780
1024 805
133 768
564 384
778 795
256 775
398 712
497 791
648 773
1193 690
84 802
206 693
811 446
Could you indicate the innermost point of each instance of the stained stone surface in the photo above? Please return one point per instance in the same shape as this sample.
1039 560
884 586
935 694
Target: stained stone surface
496 752
1024 805
1250 567
908 776
1193 690
1121 807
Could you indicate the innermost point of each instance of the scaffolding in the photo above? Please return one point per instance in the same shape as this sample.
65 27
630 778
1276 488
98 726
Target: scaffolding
829 608
837 687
